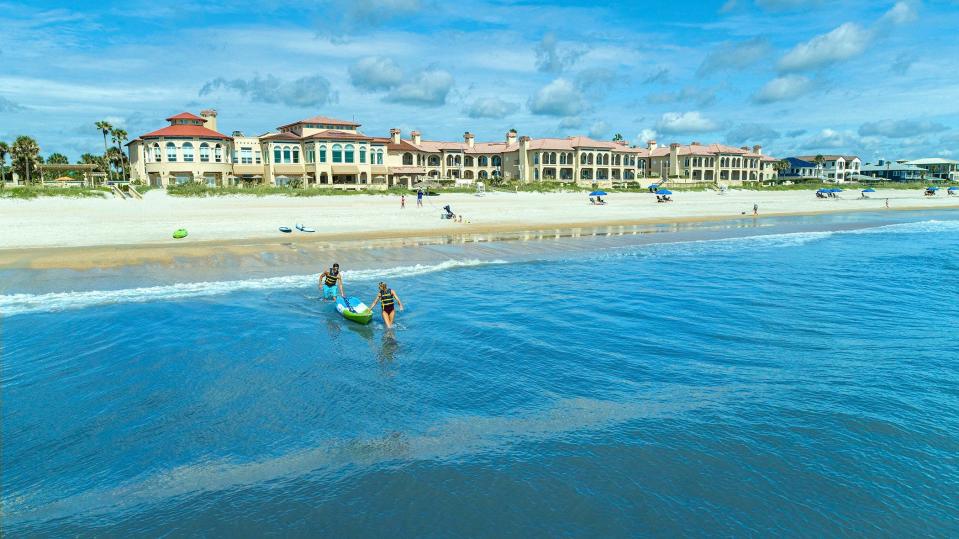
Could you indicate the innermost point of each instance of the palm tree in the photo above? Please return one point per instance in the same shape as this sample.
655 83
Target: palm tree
58 159
819 160
119 137
4 152
26 151
617 137
105 128
115 158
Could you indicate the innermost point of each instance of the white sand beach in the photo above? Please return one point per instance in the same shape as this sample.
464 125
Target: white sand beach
63 222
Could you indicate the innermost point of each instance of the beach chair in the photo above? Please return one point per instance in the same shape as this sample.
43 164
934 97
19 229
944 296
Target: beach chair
592 201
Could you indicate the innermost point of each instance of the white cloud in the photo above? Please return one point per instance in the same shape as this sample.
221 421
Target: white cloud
599 129
491 107
900 13
900 128
700 96
375 73
734 56
830 139
427 88
558 98
551 59
311 91
783 89
685 122
845 42
645 136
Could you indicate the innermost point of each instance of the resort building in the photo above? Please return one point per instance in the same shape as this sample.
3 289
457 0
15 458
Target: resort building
834 168
326 152
937 168
896 172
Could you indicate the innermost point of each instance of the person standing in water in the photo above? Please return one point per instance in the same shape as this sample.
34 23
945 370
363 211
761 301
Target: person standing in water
755 209
331 281
387 298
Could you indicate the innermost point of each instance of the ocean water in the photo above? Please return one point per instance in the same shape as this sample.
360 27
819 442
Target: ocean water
778 381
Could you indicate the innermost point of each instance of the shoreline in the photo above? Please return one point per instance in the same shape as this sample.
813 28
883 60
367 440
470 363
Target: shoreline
86 257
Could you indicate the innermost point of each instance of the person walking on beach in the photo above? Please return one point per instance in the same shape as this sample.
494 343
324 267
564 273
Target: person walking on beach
755 209
386 297
419 198
331 281
887 202
402 201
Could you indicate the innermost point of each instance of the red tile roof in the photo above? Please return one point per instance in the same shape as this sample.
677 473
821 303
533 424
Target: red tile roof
185 116
323 120
181 130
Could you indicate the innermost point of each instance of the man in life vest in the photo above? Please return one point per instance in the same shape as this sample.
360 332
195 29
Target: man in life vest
331 281
389 300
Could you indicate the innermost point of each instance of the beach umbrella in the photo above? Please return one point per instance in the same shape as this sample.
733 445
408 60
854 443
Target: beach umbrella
869 190
822 190
598 194
953 189
653 185
836 190
664 192
932 188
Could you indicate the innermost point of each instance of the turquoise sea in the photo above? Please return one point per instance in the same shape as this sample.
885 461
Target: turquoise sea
782 377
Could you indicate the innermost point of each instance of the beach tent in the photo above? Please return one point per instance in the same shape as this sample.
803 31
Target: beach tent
664 192
598 194
869 190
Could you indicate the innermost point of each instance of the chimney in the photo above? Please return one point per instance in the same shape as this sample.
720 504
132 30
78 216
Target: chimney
510 136
468 137
674 159
416 137
210 116
758 149
395 136
650 145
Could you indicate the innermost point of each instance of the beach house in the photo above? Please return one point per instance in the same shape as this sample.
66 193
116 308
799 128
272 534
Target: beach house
937 168
326 152
892 171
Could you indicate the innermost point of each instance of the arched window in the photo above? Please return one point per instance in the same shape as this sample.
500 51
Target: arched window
483 175
363 155
483 161
497 161
536 174
337 153
552 158
187 152
205 152
218 153
277 154
287 154
582 159
323 153
296 154
407 158
434 161
589 159
457 161
156 152
349 153
170 152
379 157
536 158
449 160
468 161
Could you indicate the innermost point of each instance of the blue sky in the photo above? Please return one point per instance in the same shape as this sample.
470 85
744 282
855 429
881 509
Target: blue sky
875 78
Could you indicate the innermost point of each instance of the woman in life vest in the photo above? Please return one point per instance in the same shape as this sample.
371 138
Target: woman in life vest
330 281
388 299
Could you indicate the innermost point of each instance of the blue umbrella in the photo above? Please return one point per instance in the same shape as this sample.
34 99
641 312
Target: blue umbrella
598 194
653 185
932 188
836 190
822 190
869 190
953 189
664 192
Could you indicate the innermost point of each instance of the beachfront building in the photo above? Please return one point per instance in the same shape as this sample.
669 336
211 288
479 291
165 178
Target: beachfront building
834 168
799 168
329 153
895 172
937 168
710 163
